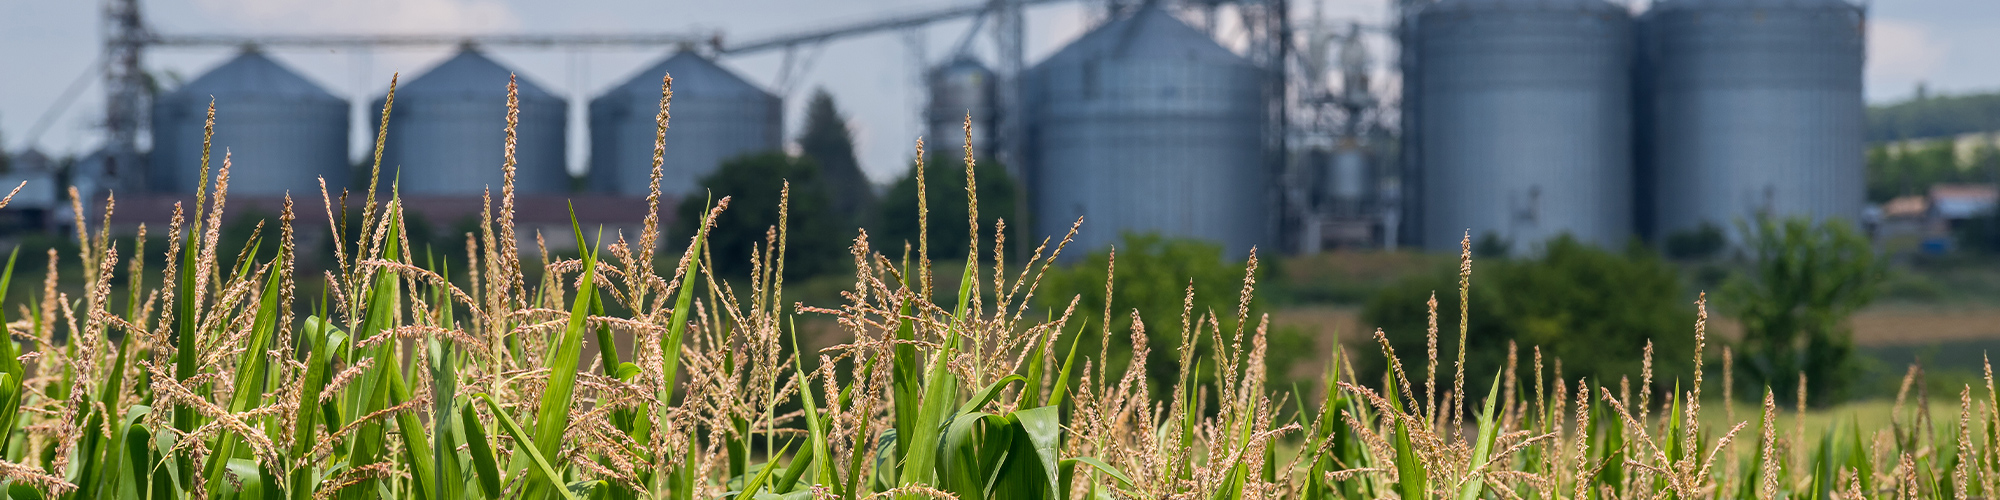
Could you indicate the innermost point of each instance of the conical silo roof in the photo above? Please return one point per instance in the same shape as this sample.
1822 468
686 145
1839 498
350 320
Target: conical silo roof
1148 34
1523 6
447 136
717 115
1752 4
284 132
471 74
693 74
254 74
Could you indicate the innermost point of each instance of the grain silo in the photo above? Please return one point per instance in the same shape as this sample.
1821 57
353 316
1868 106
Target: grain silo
959 88
447 132
283 133
1756 109
1147 125
1525 128
717 115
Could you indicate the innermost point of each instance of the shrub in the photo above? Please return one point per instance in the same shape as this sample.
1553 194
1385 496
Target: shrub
1593 309
1153 275
1703 242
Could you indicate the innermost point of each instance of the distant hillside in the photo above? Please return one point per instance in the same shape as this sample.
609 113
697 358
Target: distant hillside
1934 116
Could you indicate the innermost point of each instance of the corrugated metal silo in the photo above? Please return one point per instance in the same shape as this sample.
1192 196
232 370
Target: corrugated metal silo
1525 127
447 133
957 88
1757 109
717 115
1145 124
283 132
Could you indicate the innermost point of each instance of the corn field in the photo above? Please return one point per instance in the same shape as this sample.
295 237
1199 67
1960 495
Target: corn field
402 382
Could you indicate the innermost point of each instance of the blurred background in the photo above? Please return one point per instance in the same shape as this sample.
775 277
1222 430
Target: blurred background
1827 168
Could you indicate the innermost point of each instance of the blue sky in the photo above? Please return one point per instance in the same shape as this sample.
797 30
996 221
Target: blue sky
46 46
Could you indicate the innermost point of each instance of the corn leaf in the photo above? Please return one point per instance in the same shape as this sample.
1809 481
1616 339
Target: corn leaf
1489 429
324 339
528 446
1031 467
553 419
763 474
1411 482
485 466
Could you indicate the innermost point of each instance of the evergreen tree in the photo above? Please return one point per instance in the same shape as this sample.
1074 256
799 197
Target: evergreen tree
827 142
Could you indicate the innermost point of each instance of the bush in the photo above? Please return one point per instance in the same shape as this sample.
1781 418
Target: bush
1702 242
815 240
1794 301
1153 274
1592 309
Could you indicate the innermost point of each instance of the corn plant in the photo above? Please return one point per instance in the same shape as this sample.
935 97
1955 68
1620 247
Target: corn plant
413 375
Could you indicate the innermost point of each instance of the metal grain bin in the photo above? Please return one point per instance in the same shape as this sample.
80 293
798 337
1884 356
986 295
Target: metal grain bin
1756 108
1525 127
283 132
717 115
447 133
1145 124
957 88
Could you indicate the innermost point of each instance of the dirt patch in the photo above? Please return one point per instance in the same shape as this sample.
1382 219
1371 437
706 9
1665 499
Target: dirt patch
1915 326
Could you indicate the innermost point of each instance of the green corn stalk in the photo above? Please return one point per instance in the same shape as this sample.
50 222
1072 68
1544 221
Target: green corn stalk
1489 430
763 474
552 421
1411 481
100 451
416 443
250 373
484 464
1061 388
371 393
824 473
11 371
1827 462
670 349
905 381
940 392
324 340
528 446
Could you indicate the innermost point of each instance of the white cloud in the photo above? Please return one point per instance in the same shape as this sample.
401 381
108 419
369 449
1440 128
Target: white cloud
1901 54
367 16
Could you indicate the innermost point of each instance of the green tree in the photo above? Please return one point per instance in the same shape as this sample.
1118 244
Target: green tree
814 241
1806 279
1153 274
947 204
1701 243
827 141
1934 116
1911 168
1591 308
